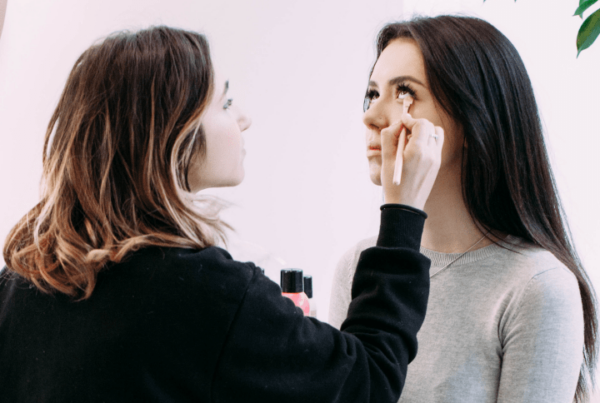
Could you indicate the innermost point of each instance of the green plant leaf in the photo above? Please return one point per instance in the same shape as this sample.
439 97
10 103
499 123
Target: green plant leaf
583 5
589 31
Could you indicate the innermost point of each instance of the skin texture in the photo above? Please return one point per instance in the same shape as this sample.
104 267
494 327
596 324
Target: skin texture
223 123
403 58
2 14
449 228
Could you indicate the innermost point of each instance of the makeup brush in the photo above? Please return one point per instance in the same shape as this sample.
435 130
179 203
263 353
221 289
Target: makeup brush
401 144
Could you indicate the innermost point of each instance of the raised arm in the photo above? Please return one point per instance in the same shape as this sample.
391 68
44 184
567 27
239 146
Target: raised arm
299 359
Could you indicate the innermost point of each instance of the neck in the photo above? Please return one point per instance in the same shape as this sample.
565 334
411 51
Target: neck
449 228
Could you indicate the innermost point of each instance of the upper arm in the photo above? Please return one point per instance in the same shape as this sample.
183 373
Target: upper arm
543 341
292 351
274 353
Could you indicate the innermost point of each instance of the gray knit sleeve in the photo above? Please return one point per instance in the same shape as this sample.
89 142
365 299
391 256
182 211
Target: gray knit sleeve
542 340
341 288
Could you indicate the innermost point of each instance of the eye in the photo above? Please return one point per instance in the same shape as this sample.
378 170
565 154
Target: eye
228 103
370 96
404 90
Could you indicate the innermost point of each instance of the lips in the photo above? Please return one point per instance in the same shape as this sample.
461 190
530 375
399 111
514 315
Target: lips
373 150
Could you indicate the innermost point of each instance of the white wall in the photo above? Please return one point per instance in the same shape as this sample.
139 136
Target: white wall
299 69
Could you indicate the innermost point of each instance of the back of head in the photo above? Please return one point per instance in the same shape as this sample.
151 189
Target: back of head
116 158
479 79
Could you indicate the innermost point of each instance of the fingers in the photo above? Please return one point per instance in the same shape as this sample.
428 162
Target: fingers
420 159
389 141
421 129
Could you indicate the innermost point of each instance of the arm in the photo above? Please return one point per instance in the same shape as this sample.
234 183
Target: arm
298 359
543 341
341 289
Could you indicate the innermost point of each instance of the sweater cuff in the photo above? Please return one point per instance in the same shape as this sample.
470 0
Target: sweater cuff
400 229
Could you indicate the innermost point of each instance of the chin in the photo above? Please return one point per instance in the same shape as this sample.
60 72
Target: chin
375 173
376 179
239 179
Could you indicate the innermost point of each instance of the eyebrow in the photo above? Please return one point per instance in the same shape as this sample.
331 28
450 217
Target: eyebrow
397 80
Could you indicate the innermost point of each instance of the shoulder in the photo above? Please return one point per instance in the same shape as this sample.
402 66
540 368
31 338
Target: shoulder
525 262
347 263
354 252
541 283
187 273
170 260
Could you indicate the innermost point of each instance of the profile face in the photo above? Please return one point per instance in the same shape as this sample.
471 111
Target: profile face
223 123
400 71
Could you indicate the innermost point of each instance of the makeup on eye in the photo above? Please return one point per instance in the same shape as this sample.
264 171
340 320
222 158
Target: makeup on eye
228 103
403 90
369 97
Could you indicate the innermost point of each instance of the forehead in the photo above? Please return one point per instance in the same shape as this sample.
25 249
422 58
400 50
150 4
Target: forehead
401 57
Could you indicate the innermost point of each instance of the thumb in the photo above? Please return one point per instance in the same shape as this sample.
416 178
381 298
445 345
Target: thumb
389 140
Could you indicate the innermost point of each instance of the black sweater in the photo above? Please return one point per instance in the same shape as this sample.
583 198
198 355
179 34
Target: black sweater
181 325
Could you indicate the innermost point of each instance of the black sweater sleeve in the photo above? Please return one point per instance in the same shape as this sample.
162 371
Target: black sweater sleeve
275 354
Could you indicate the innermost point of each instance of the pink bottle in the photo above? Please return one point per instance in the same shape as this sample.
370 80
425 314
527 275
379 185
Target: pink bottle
292 286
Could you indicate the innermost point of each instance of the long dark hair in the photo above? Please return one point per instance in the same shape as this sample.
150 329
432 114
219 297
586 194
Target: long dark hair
116 158
479 79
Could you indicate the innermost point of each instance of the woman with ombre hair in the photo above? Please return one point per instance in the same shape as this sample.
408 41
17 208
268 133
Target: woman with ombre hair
115 290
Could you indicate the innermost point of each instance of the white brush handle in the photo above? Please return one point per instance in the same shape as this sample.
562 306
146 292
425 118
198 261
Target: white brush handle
399 157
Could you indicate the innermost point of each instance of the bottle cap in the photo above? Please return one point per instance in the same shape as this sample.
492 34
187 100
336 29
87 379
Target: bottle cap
308 286
291 280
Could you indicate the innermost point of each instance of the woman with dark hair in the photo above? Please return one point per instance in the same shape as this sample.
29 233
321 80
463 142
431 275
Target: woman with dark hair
511 315
114 290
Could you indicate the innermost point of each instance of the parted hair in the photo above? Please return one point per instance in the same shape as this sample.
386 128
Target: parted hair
116 157
479 79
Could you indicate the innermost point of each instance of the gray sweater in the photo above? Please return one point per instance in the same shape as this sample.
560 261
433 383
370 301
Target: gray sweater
501 326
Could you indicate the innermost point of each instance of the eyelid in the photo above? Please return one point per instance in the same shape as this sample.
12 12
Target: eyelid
404 88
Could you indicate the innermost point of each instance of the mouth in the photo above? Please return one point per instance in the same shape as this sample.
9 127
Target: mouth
373 151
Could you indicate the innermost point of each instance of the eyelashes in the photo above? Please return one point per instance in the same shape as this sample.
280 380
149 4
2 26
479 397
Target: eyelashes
369 97
402 91
228 103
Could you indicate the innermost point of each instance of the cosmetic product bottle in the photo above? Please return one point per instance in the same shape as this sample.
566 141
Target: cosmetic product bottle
292 286
308 290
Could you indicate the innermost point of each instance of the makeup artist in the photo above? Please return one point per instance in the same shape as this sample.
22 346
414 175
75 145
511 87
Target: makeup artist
114 290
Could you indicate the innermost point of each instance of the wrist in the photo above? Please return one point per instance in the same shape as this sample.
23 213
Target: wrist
398 199
405 207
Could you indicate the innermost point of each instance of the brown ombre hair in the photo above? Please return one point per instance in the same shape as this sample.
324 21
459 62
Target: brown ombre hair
479 79
116 158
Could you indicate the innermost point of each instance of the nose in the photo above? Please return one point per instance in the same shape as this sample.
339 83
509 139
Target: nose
375 118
